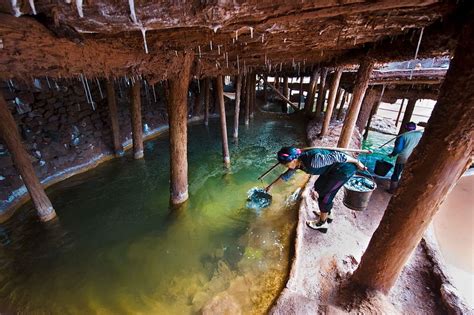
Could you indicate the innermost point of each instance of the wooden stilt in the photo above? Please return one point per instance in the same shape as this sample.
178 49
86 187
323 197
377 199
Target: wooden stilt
207 96
177 115
238 88
339 96
11 137
113 114
301 92
311 92
253 94
442 156
362 81
370 98
341 107
400 112
247 99
373 112
136 113
408 113
321 93
225 145
331 101
265 96
285 87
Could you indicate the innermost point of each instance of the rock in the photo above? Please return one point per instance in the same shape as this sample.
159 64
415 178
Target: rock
222 303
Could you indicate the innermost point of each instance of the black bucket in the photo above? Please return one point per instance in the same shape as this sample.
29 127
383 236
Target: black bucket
355 199
382 167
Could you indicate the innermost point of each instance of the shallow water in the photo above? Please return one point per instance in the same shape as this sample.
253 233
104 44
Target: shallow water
117 248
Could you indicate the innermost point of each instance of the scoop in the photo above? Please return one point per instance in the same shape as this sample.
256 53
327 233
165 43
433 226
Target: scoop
258 198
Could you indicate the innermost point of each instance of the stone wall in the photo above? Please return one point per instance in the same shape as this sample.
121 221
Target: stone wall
63 133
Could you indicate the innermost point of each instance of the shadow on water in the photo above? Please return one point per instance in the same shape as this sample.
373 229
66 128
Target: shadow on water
118 247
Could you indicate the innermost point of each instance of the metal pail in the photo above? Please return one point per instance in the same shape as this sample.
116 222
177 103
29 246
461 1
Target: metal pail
357 200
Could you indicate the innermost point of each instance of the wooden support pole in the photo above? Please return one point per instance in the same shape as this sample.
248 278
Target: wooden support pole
331 101
253 94
225 145
113 115
341 107
441 157
321 93
178 124
247 99
311 92
136 113
238 89
277 83
11 137
400 112
339 96
285 87
370 98
207 96
300 95
373 112
265 96
362 81
408 113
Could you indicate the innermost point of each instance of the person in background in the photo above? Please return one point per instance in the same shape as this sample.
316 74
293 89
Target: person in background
403 148
334 168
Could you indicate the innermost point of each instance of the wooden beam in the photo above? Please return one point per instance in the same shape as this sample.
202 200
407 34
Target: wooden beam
136 115
331 101
360 87
225 144
178 124
11 137
113 115
238 89
399 112
441 157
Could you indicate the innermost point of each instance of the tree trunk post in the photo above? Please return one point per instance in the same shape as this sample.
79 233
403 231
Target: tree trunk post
253 94
441 157
300 95
113 115
362 81
21 159
311 92
400 112
368 103
225 145
207 96
408 113
373 112
178 130
321 93
137 128
331 101
343 102
238 88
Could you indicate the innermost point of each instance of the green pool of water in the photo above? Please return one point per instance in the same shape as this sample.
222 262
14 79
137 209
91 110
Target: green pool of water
373 142
117 248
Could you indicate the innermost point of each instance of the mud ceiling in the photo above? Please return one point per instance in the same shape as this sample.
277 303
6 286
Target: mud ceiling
226 37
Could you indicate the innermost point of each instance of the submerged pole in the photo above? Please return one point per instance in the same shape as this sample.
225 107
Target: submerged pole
177 115
113 115
136 113
362 81
225 144
441 157
10 135
238 90
331 101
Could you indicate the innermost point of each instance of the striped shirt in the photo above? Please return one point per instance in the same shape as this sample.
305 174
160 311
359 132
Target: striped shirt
316 162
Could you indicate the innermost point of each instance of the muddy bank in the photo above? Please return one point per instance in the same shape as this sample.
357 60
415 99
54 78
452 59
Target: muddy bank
323 262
